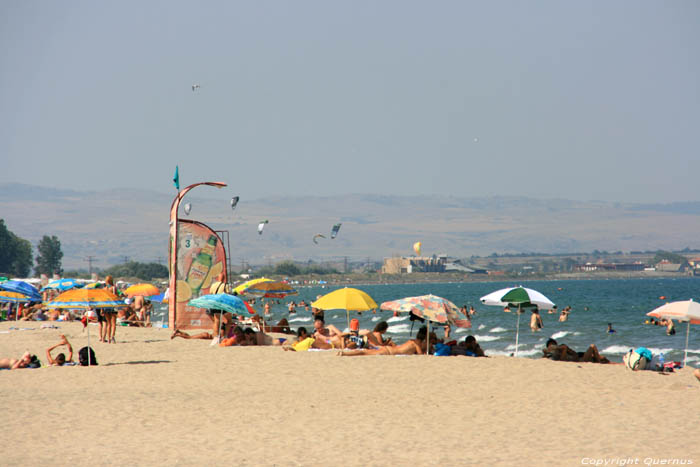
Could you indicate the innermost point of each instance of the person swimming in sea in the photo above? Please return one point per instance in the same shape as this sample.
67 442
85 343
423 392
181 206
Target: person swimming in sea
610 329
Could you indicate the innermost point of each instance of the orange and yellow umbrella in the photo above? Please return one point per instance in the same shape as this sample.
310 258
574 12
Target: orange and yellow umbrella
86 298
143 290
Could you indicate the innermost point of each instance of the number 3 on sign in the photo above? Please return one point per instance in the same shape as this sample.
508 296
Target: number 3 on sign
188 241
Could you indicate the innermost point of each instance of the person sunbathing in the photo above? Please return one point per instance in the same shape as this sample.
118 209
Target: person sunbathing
468 347
329 335
375 339
17 363
415 346
60 359
696 373
202 335
564 353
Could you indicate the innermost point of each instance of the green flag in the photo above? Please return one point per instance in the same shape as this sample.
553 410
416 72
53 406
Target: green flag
176 178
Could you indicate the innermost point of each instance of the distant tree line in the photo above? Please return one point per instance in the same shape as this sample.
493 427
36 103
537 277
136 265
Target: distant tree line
16 254
144 271
290 268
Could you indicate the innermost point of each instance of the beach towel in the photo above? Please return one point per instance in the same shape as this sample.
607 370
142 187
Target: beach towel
304 345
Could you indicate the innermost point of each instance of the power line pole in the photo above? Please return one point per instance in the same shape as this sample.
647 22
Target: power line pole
125 258
345 265
90 260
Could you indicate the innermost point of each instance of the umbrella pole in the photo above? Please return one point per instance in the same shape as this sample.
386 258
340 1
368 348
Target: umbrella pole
87 325
687 332
517 332
347 312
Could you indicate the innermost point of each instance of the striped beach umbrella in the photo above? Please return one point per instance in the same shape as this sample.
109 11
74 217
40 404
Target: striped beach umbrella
21 287
86 298
13 297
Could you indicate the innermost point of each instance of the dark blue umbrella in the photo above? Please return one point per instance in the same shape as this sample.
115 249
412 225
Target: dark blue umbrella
22 287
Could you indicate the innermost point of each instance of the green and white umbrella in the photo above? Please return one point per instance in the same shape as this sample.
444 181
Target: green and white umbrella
520 297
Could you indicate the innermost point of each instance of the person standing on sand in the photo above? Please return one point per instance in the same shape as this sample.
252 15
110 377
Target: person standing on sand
110 314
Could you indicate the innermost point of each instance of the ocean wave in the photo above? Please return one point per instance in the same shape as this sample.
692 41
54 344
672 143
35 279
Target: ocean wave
481 326
376 318
394 319
521 353
693 350
512 347
498 330
486 338
399 328
301 319
656 351
560 334
616 349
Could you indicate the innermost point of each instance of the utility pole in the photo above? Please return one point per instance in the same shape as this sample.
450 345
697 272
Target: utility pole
345 265
125 258
90 260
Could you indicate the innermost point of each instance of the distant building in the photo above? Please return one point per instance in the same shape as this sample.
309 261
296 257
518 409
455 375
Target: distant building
435 263
667 266
590 267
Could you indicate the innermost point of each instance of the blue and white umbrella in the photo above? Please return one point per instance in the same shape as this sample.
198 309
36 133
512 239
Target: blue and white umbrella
62 285
222 302
22 287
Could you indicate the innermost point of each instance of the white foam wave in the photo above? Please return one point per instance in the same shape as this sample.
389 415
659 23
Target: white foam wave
693 359
521 353
498 330
462 330
512 346
616 349
376 318
301 320
560 334
656 351
693 350
397 328
481 326
394 319
486 338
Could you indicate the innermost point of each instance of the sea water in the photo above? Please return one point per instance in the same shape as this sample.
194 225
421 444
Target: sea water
594 303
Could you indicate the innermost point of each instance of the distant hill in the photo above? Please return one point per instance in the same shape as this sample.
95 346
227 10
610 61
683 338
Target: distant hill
114 224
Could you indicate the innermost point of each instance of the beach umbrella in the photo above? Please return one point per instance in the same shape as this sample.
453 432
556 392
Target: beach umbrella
62 285
87 299
95 285
270 289
241 289
222 302
520 297
142 290
14 297
687 310
348 299
431 308
21 287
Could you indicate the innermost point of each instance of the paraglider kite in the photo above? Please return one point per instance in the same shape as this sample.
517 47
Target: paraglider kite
318 236
334 230
261 226
234 202
416 248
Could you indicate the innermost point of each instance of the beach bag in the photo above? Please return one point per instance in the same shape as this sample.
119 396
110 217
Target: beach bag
83 356
442 350
635 361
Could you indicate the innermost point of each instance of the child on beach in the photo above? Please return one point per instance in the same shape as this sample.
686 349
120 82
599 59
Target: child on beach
60 359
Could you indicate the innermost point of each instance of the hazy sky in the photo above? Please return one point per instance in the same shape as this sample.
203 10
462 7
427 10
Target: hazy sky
578 100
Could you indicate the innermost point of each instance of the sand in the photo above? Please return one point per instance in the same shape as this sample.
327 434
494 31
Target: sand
157 401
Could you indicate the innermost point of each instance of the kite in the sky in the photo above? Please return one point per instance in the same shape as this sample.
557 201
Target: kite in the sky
334 230
195 87
234 202
318 236
188 208
261 226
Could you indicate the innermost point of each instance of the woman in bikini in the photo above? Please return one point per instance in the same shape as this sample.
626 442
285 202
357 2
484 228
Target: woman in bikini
413 347
375 339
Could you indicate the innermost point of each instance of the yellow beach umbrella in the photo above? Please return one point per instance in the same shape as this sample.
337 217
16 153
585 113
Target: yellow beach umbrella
347 299
241 289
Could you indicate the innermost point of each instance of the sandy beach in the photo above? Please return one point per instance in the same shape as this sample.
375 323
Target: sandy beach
157 401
